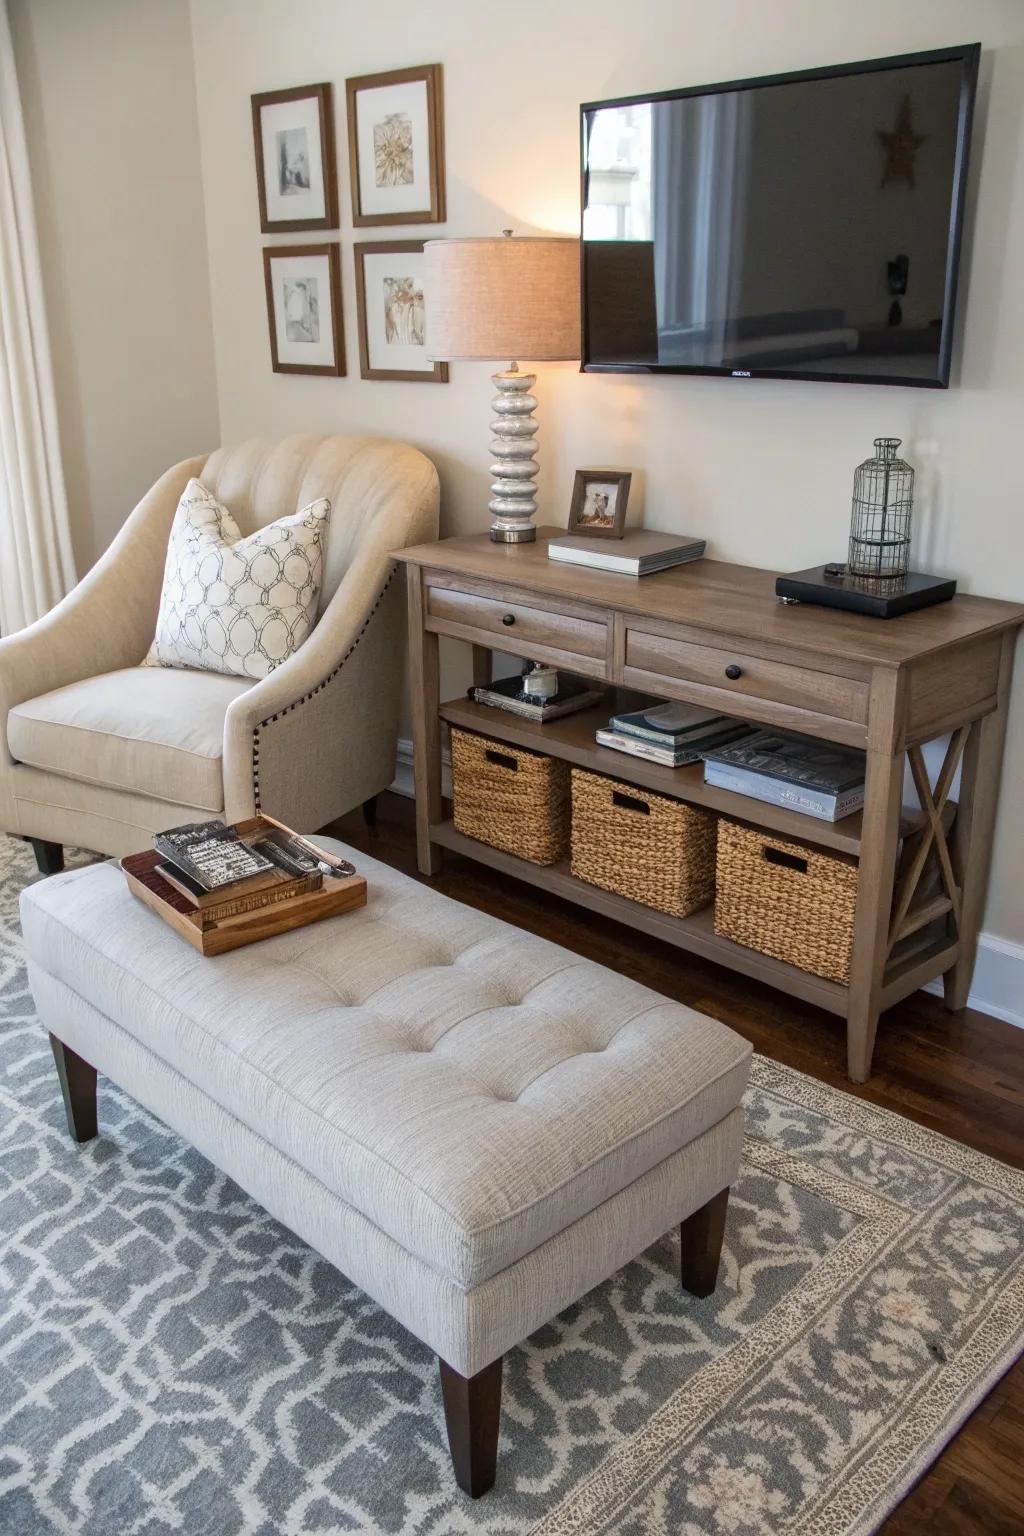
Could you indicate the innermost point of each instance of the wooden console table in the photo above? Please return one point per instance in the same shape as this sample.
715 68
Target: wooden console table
714 634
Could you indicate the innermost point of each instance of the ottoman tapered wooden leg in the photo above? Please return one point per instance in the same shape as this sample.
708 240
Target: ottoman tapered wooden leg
78 1087
472 1411
702 1235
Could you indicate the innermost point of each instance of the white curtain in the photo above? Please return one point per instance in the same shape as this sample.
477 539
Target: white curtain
36 565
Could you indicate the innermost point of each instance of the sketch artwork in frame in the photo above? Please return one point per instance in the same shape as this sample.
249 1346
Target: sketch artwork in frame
599 498
304 308
296 170
396 146
391 313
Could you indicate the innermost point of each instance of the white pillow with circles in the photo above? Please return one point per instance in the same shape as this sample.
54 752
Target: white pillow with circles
237 605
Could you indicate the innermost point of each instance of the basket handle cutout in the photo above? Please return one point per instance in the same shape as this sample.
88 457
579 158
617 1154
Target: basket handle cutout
501 759
630 802
787 860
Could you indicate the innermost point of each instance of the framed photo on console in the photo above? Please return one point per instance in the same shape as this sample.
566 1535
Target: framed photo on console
391 313
396 146
304 308
296 170
599 498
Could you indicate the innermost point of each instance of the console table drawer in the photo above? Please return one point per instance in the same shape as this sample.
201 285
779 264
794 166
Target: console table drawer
773 691
524 630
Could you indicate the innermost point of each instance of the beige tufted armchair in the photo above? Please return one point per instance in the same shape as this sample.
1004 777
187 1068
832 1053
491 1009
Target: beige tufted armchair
98 751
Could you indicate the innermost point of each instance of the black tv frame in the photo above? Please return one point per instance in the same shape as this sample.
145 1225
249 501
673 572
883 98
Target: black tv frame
968 56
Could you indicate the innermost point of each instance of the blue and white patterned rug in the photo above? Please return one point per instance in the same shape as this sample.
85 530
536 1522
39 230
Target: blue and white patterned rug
175 1363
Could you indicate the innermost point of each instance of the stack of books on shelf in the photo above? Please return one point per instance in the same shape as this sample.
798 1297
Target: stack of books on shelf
221 886
635 554
670 734
781 768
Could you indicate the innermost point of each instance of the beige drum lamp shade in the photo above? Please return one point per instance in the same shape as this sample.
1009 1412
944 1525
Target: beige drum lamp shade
507 297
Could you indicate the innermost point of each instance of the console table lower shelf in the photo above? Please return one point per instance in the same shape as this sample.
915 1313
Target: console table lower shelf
909 967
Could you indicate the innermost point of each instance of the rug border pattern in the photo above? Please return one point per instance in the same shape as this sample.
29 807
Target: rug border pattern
856 1505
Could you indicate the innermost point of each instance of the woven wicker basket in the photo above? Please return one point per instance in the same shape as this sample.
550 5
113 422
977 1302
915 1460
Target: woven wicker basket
654 850
786 899
510 798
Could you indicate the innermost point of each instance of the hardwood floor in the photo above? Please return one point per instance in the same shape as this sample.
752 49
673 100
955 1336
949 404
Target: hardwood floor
961 1074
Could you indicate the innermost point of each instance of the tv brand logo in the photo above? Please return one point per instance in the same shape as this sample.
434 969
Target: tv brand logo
741 373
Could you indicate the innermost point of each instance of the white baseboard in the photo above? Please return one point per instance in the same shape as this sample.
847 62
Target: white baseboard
404 781
998 985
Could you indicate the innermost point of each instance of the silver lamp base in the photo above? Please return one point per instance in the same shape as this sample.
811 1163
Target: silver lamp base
514 485
504 535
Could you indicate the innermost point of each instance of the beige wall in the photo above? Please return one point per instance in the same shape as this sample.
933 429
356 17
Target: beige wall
108 91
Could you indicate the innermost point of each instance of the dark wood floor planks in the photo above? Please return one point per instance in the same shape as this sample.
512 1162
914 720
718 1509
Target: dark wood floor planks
962 1075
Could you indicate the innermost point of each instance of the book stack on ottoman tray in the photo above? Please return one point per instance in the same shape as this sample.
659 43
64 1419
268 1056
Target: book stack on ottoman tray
224 886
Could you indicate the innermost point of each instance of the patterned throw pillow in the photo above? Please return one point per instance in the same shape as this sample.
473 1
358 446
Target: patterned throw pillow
237 605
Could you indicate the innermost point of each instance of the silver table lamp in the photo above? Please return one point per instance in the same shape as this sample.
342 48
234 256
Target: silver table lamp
508 297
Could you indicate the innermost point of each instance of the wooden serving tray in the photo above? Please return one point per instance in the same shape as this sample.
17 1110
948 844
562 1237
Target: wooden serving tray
337 894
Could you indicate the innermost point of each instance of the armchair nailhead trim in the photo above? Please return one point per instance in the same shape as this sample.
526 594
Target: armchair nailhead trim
312 692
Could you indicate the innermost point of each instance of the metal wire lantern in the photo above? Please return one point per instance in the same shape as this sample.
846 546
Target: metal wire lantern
883 499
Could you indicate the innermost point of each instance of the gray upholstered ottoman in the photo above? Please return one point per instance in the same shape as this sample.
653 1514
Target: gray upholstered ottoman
475 1125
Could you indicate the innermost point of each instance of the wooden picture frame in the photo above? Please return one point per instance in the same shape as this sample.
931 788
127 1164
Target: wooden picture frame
306 262
321 170
436 373
588 486
401 146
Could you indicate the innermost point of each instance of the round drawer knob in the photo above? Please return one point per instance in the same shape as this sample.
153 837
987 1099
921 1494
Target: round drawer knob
732 671
509 618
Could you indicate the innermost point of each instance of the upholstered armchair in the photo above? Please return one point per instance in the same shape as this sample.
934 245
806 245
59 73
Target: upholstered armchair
98 751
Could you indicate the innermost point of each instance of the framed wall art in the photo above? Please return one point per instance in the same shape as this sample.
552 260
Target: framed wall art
304 308
296 169
599 498
391 313
396 146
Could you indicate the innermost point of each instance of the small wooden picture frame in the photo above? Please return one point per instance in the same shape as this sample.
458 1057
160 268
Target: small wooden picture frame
296 168
599 498
390 313
396 146
303 284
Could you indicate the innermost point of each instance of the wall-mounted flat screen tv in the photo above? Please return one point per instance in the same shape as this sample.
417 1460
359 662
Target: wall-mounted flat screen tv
801 226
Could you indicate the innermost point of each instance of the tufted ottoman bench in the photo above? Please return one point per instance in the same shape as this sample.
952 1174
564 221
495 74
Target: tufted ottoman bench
474 1125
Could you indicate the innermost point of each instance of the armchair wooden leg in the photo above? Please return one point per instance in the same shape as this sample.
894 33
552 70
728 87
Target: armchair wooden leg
49 856
702 1235
472 1410
370 811
78 1088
